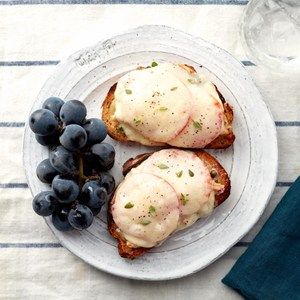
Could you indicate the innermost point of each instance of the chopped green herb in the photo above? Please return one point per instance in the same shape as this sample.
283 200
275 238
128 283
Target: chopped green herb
193 81
174 88
120 128
145 222
184 198
163 108
129 205
137 121
162 166
197 125
179 174
154 64
191 173
128 92
151 210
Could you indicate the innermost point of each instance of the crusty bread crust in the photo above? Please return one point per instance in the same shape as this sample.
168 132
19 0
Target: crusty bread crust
113 126
218 173
115 131
225 140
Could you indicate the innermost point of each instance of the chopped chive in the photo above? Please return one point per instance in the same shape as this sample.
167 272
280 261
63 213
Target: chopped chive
173 88
120 128
137 121
197 125
193 81
163 108
191 173
129 205
179 174
154 64
151 210
145 222
162 166
184 199
128 92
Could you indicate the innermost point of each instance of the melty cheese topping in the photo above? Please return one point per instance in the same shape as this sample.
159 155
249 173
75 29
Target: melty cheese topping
145 209
168 104
175 185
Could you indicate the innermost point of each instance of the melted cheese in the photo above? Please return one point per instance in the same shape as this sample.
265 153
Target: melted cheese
206 121
187 174
176 183
146 101
168 104
145 209
134 135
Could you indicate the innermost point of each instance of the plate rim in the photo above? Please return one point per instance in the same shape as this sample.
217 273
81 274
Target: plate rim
250 224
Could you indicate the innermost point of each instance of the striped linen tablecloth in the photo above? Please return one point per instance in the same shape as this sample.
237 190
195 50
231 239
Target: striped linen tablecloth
34 37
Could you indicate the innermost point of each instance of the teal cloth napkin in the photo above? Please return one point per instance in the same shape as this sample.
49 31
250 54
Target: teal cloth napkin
270 268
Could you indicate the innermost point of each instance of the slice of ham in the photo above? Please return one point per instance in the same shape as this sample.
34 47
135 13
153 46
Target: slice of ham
169 104
154 102
145 209
189 177
206 121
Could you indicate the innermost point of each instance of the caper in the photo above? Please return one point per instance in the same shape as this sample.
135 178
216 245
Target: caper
213 173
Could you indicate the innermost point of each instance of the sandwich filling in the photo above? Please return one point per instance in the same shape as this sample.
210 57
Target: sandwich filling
169 104
169 191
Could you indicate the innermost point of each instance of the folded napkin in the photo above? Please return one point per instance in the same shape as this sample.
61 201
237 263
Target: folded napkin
270 268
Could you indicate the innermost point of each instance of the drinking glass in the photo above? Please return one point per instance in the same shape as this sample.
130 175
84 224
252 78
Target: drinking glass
270 34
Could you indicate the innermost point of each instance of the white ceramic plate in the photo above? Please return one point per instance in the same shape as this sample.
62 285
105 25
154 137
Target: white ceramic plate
251 161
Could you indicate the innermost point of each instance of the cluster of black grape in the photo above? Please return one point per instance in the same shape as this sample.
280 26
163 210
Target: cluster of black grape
77 166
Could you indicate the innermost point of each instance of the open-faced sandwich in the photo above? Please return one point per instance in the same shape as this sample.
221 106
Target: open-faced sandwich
168 104
164 192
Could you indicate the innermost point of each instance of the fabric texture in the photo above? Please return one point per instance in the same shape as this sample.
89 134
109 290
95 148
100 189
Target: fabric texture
270 268
34 38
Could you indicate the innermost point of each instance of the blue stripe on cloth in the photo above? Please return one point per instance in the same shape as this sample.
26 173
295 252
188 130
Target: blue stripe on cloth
167 2
13 185
22 63
248 63
57 245
25 185
30 245
12 124
287 123
283 184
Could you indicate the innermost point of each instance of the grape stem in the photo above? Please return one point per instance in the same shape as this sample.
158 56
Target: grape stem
82 177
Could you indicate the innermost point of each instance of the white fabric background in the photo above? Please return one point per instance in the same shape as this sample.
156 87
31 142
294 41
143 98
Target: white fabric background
33 39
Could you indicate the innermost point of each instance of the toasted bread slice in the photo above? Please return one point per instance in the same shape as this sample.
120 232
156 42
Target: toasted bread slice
217 172
115 130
